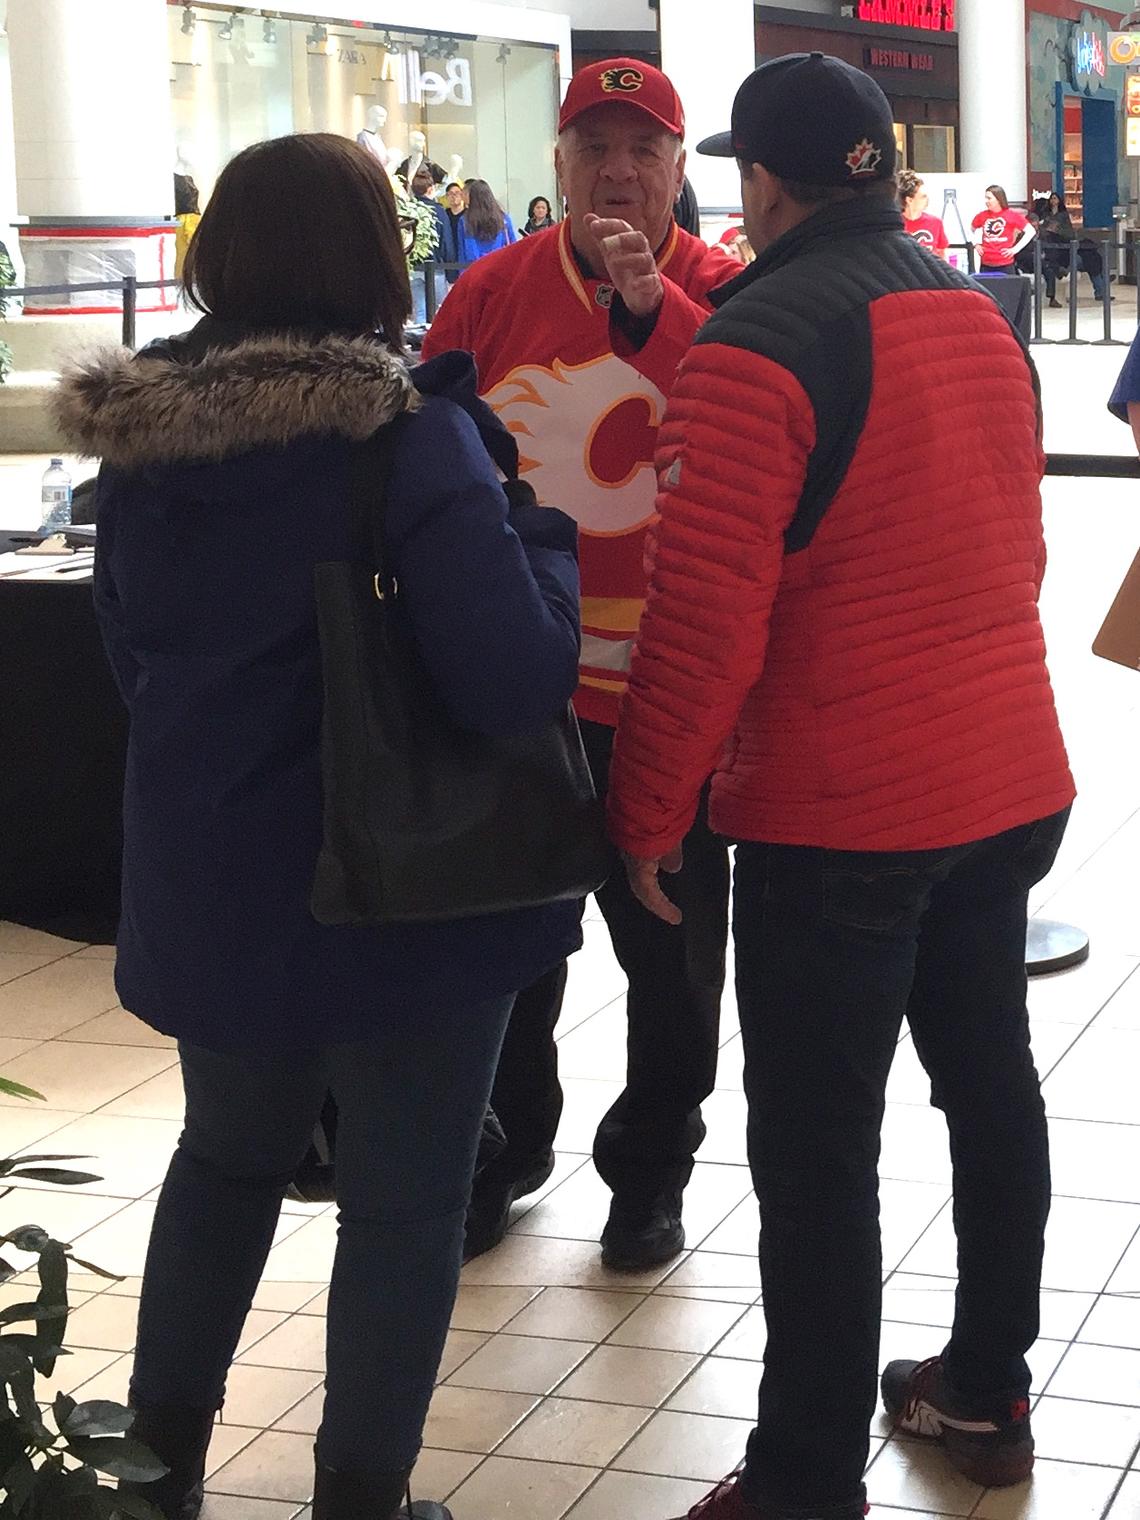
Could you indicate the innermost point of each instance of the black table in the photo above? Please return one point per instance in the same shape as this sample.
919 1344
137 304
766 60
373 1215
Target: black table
63 743
1014 294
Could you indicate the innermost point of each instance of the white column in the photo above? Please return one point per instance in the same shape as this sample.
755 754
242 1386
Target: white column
992 65
91 109
708 47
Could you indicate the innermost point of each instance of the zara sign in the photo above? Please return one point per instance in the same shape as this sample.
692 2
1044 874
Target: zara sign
929 15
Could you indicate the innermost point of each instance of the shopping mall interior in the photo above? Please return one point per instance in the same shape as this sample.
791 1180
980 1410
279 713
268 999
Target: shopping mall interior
568 1391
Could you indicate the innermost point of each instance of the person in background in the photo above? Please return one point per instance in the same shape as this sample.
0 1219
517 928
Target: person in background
1001 233
187 214
455 204
734 241
859 658
927 231
486 227
581 369
242 433
538 217
423 188
1125 402
687 211
1057 235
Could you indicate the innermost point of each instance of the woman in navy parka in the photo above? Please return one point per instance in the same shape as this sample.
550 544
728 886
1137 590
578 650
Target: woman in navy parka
226 457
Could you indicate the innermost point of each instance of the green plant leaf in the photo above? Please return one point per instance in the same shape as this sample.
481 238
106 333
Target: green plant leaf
53 1291
134 1506
15 1314
89 1266
23 1386
18 1090
56 1175
119 1457
29 1237
98 1417
18 1483
62 1406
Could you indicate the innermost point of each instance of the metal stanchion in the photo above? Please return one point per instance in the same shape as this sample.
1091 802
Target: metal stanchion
1106 301
130 308
1074 291
1038 293
430 304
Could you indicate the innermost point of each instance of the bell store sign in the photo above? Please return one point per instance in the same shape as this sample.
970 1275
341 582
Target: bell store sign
930 15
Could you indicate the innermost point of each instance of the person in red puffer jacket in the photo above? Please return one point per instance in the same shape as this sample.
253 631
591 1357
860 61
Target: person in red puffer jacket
855 651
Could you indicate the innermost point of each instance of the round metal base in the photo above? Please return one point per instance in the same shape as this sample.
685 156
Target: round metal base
1050 946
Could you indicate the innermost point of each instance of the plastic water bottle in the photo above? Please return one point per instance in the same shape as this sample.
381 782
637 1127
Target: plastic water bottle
55 494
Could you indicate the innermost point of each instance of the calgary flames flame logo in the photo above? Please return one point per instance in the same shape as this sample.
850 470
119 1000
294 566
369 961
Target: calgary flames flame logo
586 435
624 80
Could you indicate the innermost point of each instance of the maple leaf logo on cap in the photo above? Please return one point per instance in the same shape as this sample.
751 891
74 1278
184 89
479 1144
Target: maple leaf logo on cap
624 80
864 158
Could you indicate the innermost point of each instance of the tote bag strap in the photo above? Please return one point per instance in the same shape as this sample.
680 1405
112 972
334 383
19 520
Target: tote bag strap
369 474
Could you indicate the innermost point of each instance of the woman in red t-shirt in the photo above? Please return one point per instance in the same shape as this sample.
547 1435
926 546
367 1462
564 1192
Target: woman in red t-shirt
1001 233
927 231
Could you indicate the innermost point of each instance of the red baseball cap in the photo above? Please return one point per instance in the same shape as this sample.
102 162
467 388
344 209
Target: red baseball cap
625 81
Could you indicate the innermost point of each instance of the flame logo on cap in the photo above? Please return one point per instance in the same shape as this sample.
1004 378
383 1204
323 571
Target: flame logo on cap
864 158
625 81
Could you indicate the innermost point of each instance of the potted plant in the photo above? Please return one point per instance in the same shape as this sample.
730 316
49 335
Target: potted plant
52 1462
7 277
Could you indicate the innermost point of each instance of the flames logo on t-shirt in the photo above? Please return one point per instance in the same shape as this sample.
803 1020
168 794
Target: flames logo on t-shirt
626 81
994 227
924 237
864 158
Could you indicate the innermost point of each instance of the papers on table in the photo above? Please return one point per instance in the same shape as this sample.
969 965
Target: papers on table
39 567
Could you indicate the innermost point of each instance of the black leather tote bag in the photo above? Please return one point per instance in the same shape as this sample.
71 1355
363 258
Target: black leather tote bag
425 821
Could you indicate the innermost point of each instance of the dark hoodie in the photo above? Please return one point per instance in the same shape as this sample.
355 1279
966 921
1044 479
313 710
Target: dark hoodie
224 482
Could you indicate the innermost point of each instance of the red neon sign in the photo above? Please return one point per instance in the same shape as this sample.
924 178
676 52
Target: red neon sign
929 15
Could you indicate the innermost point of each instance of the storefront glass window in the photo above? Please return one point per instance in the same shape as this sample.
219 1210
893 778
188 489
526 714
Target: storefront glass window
934 150
486 108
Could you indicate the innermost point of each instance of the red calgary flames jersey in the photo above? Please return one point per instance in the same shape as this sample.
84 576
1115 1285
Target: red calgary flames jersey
585 419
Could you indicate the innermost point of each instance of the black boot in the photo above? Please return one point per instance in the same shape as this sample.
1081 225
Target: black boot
179 1438
375 1496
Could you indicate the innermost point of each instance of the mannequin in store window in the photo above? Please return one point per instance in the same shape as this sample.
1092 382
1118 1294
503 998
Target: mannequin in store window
410 166
372 136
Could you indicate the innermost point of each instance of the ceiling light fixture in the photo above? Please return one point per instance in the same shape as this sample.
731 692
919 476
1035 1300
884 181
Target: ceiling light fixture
268 31
318 36
189 21
226 30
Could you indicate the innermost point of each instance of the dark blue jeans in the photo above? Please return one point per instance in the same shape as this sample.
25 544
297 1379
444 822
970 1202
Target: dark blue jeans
411 1103
833 951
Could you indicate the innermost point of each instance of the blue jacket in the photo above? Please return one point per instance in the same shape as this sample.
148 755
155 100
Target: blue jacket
223 484
470 248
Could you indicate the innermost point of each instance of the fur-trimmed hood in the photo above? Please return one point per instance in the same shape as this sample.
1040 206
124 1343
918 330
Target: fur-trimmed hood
176 402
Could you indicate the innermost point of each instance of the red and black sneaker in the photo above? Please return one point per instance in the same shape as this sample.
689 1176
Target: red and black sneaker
988 1441
726 1502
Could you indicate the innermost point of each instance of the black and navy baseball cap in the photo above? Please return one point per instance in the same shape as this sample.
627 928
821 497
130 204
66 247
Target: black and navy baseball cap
811 118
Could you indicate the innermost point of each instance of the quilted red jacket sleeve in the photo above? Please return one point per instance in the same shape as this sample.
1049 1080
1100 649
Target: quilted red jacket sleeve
732 457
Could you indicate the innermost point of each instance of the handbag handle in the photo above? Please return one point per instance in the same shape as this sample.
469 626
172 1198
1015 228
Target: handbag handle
369 475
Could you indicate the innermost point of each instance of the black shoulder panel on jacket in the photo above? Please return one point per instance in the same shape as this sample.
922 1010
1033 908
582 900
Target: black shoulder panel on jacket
811 316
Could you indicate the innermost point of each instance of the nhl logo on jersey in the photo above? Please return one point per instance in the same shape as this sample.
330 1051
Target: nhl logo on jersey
604 296
626 81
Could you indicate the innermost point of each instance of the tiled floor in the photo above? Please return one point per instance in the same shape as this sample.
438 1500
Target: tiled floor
568 1392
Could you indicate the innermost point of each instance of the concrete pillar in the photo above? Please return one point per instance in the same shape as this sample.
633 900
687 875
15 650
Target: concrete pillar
707 49
992 68
91 110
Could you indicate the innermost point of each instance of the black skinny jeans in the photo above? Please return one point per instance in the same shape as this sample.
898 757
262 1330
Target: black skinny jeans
833 951
647 1140
411 1103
